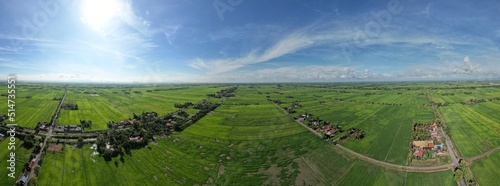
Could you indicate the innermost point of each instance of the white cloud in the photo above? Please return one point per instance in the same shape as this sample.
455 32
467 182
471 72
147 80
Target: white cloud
289 44
170 32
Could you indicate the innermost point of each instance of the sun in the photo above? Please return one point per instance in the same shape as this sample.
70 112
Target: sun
97 13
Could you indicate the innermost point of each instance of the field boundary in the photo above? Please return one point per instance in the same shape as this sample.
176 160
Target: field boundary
378 162
483 155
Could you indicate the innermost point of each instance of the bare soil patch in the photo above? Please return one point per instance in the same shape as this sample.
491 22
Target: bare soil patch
55 147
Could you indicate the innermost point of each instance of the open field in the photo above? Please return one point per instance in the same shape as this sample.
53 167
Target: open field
104 104
34 103
385 116
22 156
486 170
474 128
240 143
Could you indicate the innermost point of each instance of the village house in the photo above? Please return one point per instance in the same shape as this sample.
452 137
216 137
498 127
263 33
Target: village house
43 126
423 145
439 147
136 139
329 130
418 153
24 178
32 163
72 128
124 124
170 123
59 129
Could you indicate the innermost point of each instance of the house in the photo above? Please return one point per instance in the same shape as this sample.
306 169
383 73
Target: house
24 178
127 122
428 144
436 135
32 163
439 147
433 126
72 128
59 129
418 153
43 126
136 139
327 127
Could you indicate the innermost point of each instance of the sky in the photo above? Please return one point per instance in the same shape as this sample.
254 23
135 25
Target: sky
173 41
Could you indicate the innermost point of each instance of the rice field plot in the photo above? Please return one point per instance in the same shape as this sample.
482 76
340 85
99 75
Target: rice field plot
92 108
158 164
118 103
473 128
486 170
21 157
387 128
444 178
34 104
363 173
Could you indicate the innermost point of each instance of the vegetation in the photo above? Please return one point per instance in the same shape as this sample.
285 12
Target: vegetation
239 135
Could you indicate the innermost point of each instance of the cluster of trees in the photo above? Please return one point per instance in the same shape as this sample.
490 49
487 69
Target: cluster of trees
149 124
448 94
315 123
465 171
476 101
420 132
119 142
353 133
373 93
290 109
275 101
69 106
86 124
224 93
204 110
183 105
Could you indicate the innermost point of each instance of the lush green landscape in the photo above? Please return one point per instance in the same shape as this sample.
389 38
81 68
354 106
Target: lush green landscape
486 170
249 140
21 155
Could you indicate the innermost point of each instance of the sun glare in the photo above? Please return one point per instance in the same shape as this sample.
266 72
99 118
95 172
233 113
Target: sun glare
97 13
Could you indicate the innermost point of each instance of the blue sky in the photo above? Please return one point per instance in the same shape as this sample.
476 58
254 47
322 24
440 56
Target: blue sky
249 40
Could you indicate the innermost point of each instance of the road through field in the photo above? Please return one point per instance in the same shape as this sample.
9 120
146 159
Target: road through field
378 162
481 156
38 157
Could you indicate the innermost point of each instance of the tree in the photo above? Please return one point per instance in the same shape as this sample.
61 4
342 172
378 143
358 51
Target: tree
29 140
458 175
80 142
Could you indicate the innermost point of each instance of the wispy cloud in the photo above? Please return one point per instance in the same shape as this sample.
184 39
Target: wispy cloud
289 44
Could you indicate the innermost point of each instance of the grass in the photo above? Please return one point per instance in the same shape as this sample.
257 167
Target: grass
486 170
22 156
473 128
250 141
39 108
119 103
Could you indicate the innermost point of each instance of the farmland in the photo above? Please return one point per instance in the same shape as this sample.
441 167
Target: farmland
22 156
247 140
474 127
34 103
105 104
486 170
